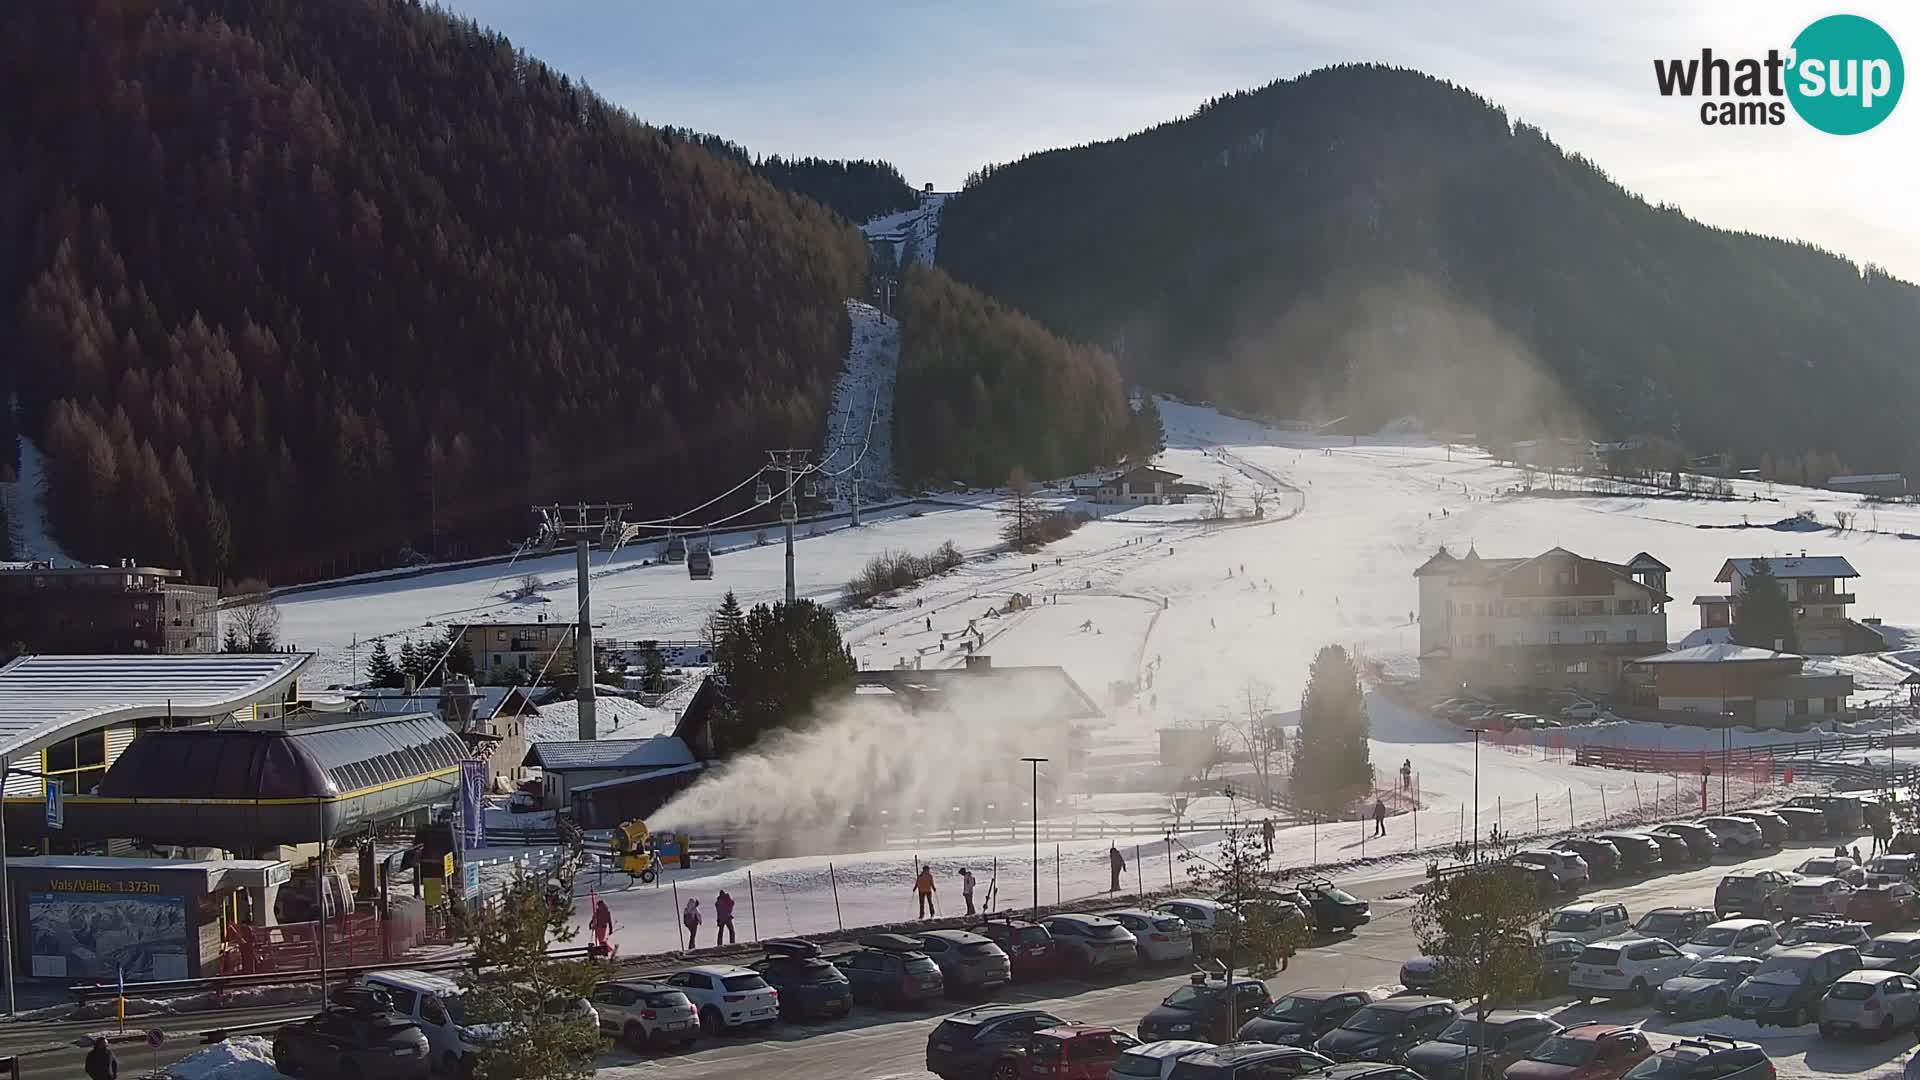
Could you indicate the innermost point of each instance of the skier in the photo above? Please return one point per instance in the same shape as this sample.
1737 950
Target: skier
923 887
966 888
1117 864
929 624
690 917
723 932
1379 818
1266 835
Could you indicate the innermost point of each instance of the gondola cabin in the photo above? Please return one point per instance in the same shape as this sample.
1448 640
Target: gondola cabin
676 550
700 562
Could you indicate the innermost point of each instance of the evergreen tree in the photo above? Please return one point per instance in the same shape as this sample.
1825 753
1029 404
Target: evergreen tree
1478 925
382 672
1762 617
653 666
459 659
413 663
520 991
1146 433
231 641
723 629
783 661
1331 761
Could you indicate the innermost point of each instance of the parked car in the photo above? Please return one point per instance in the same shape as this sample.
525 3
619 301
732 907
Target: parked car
435 1004
1154 1061
1203 917
1846 815
728 997
1589 1051
1028 945
1902 867
1883 903
968 963
1582 712
1825 930
1603 859
1732 937
1674 925
1639 853
358 1033
1066 1052
1803 822
1385 1030
1569 870
643 1014
1893 952
1334 909
1706 988
1674 849
1366 1070
1556 965
809 985
1833 866
1736 834
974 1043
1751 892
1626 967
1506 1036
1786 988
1160 937
1250 1061
1706 1056
1818 896
1870 1002
891 970
1303 1016
1590 921
1702 844
1203 1009
1090 944
1773 828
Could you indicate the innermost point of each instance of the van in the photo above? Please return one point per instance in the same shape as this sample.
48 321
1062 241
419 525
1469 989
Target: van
433 1002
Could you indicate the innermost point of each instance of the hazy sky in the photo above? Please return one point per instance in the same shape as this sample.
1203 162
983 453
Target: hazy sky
942 88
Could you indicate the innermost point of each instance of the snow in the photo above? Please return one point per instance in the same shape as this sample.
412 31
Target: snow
26 517
615 718
914 234
249 1057
859 437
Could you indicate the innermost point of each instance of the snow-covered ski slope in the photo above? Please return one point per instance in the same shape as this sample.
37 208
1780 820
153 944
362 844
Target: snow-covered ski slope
26 516
914 234
859 441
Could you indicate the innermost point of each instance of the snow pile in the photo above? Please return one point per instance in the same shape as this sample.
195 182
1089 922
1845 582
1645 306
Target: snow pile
860 425
249 1057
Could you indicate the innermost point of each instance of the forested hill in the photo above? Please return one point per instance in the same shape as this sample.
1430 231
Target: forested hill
287 287
1373 241
859 190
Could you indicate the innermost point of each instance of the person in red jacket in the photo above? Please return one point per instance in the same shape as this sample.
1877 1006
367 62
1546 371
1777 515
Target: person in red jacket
723 931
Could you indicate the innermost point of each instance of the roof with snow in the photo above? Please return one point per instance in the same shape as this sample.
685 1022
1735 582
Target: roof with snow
44 699
640 777
1868 478
1474 570
1712 599
487 701
1442 562
659 752
1803 566
1718 653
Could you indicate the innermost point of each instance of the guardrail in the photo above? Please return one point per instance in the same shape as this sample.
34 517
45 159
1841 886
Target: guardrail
84 992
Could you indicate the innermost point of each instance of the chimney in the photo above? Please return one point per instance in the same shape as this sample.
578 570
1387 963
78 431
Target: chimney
413 687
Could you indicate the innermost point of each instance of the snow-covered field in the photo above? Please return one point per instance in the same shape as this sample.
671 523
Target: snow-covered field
26 517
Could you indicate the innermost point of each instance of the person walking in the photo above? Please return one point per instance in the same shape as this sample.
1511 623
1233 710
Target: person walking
1379 818
924 888
723 931
101 1064
1266 835
690 918
602 923
966 888
1406 774
1117 864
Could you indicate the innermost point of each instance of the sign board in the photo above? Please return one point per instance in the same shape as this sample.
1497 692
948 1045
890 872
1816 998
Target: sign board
473 879
446 865
155 1037
56 810
473 804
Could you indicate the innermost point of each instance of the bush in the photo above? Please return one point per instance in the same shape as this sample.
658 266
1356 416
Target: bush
898 569
1054 526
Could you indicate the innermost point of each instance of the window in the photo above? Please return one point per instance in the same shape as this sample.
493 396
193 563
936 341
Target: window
1799 706
1832 704
499 635
1633 635
1553 637
432 1011
1560 607
1593 607
1596 637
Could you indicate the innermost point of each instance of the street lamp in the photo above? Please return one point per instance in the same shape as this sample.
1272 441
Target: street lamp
1477 732
1035 762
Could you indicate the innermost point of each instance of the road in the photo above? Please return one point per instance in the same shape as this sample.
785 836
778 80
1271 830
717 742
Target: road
891 1045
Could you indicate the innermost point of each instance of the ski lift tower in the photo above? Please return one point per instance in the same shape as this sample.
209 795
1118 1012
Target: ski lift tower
790 466
583 523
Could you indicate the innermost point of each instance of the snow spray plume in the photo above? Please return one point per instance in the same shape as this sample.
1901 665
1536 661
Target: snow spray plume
871 763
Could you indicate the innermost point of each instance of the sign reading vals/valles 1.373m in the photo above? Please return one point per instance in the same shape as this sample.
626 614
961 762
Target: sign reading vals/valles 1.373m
1842 75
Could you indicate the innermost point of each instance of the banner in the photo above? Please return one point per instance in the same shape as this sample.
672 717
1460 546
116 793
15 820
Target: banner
473 813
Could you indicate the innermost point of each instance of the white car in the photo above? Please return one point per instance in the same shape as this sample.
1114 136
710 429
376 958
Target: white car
1628 967
1202 917
1162 938
1581 711
1736 834
727 996
642 1014
1732 937
1587 922
1155 1060
1868 1002
1569 870
1817 896
1834 866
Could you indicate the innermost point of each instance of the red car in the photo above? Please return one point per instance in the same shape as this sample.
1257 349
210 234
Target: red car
1028 945
1590 1051
1891 902
1067 1052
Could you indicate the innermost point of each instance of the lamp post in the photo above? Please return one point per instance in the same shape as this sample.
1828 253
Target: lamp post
1035 762
1477 732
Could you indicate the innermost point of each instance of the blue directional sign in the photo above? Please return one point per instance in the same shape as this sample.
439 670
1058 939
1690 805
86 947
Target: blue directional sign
56 811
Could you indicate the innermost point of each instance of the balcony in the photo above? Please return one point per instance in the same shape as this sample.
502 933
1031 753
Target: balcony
1820 600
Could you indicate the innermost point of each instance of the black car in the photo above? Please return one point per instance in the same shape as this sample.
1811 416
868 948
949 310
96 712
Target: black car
1366 1070
357 1034
1803 822
1674 849
1758 893
1249 1061
1846 815
890 969
1303 1016
1639 853
1674 925
1603 859
1706 988
1200 1010
1333 908
1706 1055
1787 986
965 1045
1385 1030
1556 965
809 985
1773 828
1702 845
1505 1037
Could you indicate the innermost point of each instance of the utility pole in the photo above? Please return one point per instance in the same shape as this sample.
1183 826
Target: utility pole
1036 762
856 495
583 523
790 466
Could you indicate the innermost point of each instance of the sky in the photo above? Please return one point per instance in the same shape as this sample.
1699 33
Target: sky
940 89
